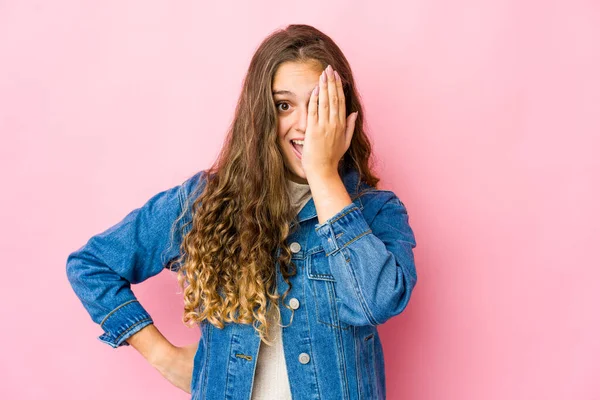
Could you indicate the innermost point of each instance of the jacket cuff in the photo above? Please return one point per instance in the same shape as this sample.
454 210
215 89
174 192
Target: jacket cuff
342 229
122 322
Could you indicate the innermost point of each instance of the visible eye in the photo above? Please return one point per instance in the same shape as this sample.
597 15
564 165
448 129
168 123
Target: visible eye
282 103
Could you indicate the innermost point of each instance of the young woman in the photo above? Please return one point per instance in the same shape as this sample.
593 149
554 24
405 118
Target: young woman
288 254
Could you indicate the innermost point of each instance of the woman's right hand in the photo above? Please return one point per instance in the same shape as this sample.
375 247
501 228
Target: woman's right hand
177 365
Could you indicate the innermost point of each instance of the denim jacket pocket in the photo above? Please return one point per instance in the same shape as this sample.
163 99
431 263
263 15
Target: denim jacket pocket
323 287
365 345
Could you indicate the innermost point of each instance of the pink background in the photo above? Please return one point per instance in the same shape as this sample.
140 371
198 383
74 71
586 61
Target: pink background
485 120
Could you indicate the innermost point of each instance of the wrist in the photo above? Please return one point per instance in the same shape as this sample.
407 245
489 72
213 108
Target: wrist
321 174
152 345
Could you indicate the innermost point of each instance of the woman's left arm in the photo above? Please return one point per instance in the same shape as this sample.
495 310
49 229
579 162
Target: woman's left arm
371 257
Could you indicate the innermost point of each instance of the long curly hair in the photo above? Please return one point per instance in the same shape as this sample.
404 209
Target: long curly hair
244 214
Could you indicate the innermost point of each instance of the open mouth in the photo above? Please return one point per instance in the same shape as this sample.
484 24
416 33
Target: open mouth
297 149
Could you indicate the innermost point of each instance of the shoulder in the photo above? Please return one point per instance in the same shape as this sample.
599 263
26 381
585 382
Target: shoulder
194 184
372 201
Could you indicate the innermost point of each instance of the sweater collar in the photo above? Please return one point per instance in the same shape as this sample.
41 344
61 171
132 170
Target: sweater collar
350 180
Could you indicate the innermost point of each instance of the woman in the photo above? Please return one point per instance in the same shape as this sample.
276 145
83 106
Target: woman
287 253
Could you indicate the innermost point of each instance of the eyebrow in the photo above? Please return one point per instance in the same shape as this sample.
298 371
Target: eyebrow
275 92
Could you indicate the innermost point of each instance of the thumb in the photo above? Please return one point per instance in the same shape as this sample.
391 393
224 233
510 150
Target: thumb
350 124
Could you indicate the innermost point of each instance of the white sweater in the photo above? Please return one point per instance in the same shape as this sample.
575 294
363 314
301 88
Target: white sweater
271 379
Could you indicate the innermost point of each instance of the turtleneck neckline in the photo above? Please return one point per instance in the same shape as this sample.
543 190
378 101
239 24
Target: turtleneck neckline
299 194
291 182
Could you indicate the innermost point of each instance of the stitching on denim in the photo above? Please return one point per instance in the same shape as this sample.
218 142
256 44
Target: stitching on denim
181 198
309 263
309 335
335 326
357 237
206 360
314 363
350 241
340 348
113 311
131 327
329 286
371 362
322 276
357 359
361 297
229 362
314 290
335 319
318 228
348 211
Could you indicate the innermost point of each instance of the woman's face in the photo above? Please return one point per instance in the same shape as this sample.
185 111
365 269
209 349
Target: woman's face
292 86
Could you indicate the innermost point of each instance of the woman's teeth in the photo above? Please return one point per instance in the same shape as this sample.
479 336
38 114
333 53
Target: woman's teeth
298 145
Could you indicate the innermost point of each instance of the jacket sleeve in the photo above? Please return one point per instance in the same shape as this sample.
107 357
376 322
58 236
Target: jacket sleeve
372 263
136 248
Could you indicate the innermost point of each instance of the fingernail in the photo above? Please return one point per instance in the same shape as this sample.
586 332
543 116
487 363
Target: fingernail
316 91
337 76
323 77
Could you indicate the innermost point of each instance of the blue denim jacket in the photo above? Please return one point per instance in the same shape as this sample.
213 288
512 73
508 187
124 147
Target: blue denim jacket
354 271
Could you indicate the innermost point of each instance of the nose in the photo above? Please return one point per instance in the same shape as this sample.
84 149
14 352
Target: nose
302 119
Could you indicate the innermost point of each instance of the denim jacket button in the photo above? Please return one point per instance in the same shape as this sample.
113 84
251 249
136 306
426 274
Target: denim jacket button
295 247
304 358
294 303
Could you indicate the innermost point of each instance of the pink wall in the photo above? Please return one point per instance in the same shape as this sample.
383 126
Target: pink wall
486 123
